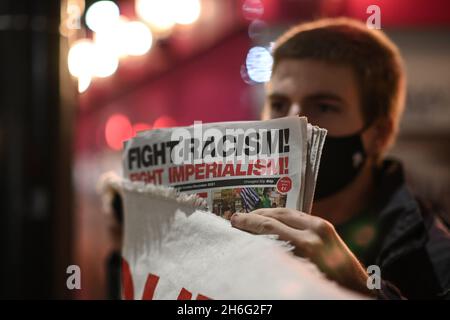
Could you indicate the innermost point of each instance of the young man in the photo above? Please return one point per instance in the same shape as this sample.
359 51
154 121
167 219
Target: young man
350 80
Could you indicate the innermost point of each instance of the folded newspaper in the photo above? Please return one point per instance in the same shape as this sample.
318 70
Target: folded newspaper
173 248
235 166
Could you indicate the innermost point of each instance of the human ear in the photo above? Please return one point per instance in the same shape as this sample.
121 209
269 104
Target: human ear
378 136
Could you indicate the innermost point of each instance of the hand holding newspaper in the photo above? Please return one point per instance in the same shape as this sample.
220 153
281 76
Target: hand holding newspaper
174 249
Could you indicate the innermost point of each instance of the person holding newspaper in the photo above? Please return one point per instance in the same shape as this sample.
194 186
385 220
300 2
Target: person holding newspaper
350 80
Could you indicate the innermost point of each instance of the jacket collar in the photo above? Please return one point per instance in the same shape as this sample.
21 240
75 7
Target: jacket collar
400 221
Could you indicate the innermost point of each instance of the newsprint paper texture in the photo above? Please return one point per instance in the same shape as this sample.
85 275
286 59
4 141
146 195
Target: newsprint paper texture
174 249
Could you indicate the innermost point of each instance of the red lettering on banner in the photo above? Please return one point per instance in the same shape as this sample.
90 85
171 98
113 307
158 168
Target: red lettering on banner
150 286
127 281
184 295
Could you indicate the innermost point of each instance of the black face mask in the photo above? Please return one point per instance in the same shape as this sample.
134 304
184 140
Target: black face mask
341 161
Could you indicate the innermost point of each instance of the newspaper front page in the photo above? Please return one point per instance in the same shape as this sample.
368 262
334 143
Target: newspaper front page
234 166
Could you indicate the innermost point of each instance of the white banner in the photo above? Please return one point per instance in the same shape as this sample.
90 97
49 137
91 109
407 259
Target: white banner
174 250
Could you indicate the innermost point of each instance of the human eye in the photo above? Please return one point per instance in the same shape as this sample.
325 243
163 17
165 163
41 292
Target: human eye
321 113
279 107
326 108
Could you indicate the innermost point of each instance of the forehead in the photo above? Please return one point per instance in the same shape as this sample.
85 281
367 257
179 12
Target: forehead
297 78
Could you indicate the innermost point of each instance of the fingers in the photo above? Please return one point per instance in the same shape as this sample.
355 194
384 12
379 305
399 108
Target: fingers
258 224
292 218
301 221
304 242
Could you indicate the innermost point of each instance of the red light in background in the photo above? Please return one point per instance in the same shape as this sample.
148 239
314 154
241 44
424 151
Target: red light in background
252 9
164 122
118 129
141 126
